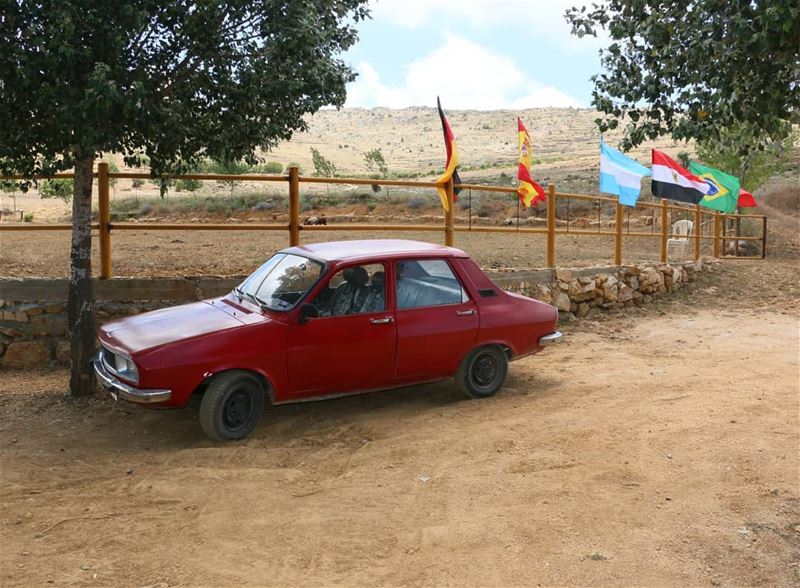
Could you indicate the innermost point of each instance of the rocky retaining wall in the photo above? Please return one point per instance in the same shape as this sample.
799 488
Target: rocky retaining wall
581 293
33 317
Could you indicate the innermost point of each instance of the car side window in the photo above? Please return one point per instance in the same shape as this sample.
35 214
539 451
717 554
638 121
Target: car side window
358 289
427 282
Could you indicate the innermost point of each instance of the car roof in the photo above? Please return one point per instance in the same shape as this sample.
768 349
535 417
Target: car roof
373 248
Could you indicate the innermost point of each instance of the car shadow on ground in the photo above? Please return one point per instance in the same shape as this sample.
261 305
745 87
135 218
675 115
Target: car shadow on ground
120 426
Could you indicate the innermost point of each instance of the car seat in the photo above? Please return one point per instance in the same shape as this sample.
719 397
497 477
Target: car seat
350 295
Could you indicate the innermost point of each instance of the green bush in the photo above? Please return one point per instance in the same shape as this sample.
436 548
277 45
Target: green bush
271 167
28 218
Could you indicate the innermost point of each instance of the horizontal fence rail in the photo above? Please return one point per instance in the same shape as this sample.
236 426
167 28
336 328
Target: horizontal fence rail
721 229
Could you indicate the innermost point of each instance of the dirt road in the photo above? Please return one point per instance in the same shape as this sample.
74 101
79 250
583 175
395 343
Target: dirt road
652 450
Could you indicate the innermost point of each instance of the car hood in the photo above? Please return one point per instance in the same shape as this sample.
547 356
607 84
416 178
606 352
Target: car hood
169 325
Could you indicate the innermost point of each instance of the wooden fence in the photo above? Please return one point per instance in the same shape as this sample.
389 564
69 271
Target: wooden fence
726 227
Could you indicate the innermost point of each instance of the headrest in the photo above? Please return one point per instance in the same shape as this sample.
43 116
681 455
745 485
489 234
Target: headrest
378 280
356 275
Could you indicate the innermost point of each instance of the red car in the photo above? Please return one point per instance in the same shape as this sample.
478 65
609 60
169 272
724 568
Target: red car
325 320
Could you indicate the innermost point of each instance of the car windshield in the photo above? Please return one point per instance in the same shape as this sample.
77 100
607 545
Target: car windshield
281 282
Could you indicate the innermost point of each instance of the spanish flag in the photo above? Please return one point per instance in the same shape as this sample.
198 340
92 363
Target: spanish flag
452 163
529 192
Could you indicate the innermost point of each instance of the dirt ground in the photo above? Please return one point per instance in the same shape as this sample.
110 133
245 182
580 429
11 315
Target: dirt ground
653 448
658 447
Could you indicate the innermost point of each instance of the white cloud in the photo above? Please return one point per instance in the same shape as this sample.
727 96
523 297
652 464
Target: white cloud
544 18
465 74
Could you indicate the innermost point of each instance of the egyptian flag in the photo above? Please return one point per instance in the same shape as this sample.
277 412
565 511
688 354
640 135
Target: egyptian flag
746 200
452 163
529 192
672 181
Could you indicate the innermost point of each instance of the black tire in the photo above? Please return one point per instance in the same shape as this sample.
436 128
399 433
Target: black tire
232 406
483 372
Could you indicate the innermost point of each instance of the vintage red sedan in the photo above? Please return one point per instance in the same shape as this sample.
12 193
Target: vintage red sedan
325 320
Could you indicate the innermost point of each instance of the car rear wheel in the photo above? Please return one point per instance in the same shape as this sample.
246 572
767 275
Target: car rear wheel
483 372
232 406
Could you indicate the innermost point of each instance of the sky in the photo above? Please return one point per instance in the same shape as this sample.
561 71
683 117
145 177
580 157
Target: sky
474 54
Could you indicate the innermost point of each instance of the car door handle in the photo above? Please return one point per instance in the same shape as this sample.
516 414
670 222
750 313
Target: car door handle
382 320
469 312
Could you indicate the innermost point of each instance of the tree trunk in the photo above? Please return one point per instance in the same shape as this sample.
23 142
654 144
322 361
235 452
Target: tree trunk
80 310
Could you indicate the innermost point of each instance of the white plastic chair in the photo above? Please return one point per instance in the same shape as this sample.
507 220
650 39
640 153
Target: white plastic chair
681 229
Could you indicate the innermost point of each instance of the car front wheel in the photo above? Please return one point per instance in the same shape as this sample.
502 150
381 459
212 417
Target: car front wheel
232 406
483 372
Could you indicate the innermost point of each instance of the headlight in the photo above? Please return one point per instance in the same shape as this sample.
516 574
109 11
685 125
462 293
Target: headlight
121 365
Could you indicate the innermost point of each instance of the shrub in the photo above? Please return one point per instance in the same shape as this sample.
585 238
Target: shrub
28 217
264 205
416 203
270 167
464 203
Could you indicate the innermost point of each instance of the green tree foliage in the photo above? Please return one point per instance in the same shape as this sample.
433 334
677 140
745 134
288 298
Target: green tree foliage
691 68
752 168
323 168
61 189
175 81
10 187
188 185
229 167
375 161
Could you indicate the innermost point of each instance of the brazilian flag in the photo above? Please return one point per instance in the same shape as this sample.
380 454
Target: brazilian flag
724 192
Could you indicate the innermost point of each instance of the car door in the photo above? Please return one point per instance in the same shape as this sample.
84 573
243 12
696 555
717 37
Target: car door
351 345
437 322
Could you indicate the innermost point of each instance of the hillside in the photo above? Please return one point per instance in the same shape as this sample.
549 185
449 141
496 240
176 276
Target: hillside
565 141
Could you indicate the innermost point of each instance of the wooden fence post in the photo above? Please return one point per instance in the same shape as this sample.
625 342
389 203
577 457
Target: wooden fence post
698 220
716 234
294 206
449 214
618 236
664 229
763 237
737 228
551 225
104 212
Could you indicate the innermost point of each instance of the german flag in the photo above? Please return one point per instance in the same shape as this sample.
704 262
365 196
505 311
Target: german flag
529 192
452 163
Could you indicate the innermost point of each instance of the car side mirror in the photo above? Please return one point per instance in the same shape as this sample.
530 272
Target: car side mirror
307 311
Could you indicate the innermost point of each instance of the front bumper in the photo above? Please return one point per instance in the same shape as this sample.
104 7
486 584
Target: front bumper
551 339
119 389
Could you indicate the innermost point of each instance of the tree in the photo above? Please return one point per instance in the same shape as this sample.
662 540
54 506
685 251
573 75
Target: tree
323 167
691 68
188 185
114 169
175 81
61 189
10 187
374 159
751 167
229 167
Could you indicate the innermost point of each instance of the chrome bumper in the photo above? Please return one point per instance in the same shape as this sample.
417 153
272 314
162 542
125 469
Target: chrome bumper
119 389
550 339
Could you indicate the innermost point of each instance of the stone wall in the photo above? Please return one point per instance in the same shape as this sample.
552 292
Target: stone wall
33 318
581 293
33 314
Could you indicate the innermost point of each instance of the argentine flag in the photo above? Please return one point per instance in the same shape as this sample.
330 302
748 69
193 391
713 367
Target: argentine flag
620 175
